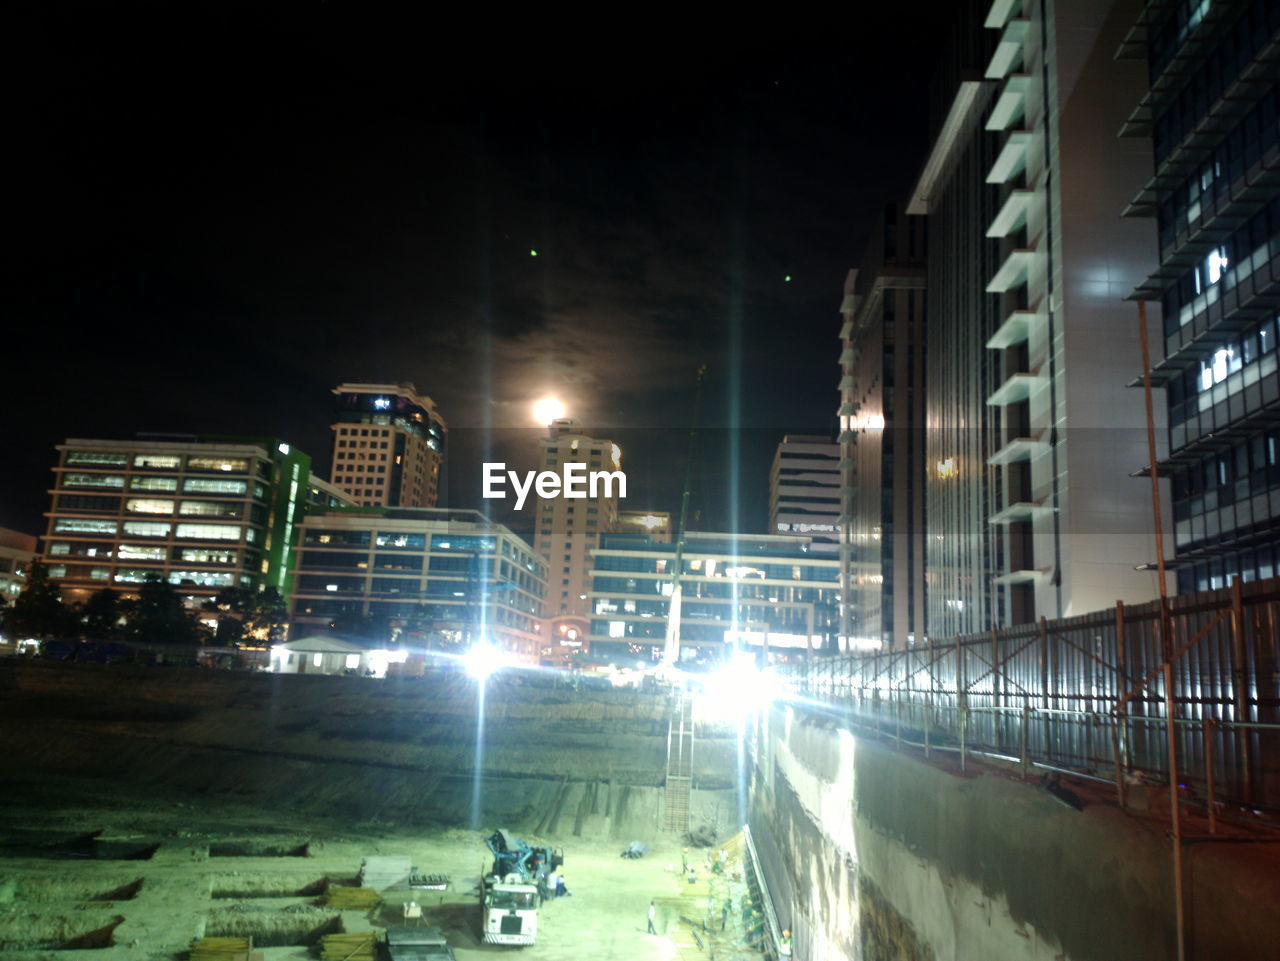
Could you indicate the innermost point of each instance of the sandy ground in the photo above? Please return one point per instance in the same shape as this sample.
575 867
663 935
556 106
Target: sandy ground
48 899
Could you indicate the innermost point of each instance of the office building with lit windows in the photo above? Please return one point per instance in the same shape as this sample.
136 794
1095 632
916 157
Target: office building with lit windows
804 489
1031 433
434 576
1213 116
566 530
751 592
17 551
388 445
882 392
202 513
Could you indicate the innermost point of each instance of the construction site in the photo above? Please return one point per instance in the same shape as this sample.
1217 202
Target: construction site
167 813
172 813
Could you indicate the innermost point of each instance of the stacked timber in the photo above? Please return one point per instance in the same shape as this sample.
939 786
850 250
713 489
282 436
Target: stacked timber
360 946
224 949
352 899
385 873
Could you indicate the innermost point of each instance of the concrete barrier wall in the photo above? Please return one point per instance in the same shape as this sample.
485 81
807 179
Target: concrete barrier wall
880 856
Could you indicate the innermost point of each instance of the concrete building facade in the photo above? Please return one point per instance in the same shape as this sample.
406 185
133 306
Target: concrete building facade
1211 113
740 591
388 445
882 392
1032 435
568 530
452 576
804 490
203 513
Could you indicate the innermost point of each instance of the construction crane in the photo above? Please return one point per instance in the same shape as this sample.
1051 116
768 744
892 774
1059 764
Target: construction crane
671 649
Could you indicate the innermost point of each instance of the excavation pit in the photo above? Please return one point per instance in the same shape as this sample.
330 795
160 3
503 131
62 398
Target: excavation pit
25 931
290 927
79 847
268 886
76 889
259 849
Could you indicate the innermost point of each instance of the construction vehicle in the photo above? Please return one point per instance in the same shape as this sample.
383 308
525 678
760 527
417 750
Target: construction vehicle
513 889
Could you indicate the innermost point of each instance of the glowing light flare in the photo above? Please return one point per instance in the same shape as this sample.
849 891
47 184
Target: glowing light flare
548 409
738 689
483 660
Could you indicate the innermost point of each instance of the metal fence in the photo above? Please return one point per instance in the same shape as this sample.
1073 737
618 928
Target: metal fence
1088 694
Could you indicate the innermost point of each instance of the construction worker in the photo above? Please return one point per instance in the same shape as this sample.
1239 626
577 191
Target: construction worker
784 946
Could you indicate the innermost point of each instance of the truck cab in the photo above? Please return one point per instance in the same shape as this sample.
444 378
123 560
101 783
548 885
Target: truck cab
509 908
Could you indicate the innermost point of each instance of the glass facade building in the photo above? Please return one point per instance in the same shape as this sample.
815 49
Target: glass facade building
1213 116
744 591
203 513
454 574
882 437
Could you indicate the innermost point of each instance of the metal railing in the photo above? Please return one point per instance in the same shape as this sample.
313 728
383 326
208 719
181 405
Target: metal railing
1086 694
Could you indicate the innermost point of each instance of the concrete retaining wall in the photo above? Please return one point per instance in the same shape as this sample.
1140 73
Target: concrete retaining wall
878 856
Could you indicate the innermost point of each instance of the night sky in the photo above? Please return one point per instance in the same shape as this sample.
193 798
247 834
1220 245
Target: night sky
219 212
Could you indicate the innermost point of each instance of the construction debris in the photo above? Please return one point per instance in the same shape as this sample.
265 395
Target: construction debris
352 899
430 882
360 946
385 873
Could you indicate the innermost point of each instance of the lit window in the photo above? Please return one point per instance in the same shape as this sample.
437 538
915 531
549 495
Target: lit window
139 505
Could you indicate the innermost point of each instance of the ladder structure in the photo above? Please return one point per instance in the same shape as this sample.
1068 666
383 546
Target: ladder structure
675 809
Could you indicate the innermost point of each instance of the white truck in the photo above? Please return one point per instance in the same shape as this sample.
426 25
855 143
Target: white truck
509 907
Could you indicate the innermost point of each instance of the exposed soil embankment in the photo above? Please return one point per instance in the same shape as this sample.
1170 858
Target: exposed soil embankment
401 748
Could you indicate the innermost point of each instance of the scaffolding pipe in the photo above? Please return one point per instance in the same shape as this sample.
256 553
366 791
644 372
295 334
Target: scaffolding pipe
1166 639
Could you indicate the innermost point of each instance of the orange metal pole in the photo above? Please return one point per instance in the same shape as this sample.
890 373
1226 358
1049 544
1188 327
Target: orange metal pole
1166 640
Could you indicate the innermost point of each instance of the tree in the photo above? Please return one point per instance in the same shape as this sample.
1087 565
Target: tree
100 616
266 616
38 611
158 615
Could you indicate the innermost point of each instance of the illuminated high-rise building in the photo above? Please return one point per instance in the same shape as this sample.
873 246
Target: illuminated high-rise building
804 489
201 513
1211 116
882 437
1031 433
567 530
388 445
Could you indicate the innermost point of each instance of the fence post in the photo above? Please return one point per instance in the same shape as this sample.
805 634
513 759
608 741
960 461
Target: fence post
928 699
1240 690
962 706
1046 749
1120 717
1026 722
1209 726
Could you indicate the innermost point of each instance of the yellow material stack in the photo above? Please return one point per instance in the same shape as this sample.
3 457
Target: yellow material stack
352 899
361 946
222 949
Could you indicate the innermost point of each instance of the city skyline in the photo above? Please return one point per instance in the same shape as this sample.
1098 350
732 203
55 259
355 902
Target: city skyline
240 240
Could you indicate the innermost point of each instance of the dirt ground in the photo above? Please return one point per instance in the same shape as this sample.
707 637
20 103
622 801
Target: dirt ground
87 872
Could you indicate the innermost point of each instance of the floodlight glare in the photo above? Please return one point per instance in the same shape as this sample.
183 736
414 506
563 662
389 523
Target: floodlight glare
738 689
483 659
